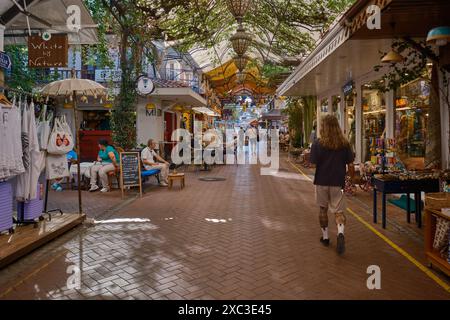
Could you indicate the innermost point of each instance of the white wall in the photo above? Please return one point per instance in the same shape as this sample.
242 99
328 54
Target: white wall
147 125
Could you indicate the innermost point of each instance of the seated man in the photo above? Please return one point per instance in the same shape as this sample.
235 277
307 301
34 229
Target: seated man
152 160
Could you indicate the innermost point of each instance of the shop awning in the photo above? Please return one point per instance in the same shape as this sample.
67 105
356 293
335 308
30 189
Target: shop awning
206 111
50 15
183 96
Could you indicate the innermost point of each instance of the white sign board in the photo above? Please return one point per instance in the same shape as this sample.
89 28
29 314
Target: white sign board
105 75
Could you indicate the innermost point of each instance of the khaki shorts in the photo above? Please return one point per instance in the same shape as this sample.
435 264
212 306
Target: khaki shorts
330 197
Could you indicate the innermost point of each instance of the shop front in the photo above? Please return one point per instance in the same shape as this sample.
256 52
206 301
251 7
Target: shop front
346 74
168 108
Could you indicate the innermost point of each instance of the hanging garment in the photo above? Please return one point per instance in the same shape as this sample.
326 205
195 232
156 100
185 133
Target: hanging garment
10 142
43 128
57 166
32 157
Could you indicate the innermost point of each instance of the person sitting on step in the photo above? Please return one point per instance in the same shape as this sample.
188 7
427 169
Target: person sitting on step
152 160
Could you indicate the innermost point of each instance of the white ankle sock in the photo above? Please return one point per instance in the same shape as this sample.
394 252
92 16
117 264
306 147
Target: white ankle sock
325 233
340 228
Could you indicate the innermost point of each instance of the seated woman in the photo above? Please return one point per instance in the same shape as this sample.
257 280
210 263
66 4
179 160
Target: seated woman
152 160
108 160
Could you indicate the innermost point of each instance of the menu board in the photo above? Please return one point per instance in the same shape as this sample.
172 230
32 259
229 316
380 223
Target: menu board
48 54
130 170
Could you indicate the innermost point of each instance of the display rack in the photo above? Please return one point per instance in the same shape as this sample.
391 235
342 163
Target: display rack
433 257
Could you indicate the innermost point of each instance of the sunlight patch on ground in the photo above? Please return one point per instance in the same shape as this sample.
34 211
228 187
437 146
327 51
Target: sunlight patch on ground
215 220
285 175
121 220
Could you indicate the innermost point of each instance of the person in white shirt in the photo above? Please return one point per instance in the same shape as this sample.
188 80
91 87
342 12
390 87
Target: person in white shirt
252 134
152 160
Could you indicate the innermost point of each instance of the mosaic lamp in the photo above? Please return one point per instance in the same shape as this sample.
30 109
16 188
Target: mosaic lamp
240 41
439 36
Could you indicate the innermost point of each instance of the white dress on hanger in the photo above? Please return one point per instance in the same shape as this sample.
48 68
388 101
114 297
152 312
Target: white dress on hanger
10 142
32 157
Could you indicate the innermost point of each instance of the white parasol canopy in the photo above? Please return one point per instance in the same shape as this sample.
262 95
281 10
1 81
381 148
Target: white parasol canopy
74 86
68 86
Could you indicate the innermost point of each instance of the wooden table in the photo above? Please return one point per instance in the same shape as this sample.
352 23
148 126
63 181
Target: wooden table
176 176
405 186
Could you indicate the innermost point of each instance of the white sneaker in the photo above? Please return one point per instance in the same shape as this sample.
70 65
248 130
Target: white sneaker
163 184
104 190
93 188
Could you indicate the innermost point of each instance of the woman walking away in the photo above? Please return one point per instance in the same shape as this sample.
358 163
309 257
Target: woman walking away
331 154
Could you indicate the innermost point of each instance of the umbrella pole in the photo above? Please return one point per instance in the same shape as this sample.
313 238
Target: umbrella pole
74 99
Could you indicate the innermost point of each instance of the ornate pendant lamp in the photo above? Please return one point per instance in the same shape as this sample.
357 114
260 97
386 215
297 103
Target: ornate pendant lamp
240 41
240 62
238 8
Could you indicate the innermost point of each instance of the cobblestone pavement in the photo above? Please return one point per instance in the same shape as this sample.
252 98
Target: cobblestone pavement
248 237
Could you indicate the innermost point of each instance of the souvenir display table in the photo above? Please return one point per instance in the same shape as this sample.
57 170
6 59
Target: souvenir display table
392 184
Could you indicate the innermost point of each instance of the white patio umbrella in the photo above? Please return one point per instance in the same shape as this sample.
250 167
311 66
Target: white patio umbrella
72 87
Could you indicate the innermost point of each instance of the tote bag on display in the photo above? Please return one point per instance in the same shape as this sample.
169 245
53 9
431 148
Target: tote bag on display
57 167
43 128
61 139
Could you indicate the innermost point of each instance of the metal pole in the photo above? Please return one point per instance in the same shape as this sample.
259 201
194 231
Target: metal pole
74 97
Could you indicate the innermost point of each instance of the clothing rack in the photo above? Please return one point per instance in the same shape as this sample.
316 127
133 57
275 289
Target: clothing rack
19 92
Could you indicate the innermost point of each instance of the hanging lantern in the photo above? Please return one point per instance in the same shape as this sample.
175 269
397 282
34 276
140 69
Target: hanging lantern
392 57
240 62
178 108
150 106
439 36
238 8
240 41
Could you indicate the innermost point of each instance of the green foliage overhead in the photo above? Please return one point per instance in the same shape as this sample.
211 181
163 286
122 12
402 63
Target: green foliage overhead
20 76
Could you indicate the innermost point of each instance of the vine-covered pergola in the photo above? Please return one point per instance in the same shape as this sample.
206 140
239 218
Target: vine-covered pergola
280 33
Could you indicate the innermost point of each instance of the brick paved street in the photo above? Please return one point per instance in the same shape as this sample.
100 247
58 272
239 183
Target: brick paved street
248 237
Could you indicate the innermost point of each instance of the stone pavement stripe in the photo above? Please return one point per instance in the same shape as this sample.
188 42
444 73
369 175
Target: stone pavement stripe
419 265
402 252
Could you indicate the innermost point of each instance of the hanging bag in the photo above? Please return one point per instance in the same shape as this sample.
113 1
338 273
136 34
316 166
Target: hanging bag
43 128
61 139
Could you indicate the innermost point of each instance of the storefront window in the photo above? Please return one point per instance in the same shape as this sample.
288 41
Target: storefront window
324 106
374 120
335 107
412 103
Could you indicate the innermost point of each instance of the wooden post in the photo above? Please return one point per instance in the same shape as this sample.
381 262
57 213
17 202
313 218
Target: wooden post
74 97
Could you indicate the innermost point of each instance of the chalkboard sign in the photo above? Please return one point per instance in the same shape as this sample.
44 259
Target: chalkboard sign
130 170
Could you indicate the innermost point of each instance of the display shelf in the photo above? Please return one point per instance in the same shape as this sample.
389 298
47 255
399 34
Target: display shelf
432 255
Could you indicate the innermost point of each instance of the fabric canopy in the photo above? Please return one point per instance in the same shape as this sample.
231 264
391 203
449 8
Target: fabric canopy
224 80
54 14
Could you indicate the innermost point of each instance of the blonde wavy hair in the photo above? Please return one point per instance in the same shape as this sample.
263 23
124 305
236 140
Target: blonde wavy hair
331 135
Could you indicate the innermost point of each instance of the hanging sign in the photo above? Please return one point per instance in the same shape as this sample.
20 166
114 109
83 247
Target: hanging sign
5 61
48 54
130 171
348 88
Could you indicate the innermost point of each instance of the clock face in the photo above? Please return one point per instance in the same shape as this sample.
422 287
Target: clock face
145 86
